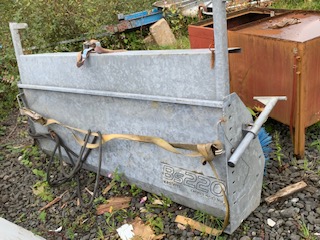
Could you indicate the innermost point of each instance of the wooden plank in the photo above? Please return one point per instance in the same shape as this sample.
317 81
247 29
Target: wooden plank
114 204
197 225
284 192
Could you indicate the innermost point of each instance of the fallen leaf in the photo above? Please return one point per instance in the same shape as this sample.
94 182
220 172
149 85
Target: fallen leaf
143 232
143 210
112 204
157 202
37 191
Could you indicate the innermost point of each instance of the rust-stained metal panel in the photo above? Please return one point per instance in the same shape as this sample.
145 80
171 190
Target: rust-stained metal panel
264 68
281 61
277 61
310 75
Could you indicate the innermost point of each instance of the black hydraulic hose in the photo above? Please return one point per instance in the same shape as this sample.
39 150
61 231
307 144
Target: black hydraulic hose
89 204
76 165
59 144
80 160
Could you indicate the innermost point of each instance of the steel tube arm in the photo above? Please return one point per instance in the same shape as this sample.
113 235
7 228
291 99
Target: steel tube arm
270 102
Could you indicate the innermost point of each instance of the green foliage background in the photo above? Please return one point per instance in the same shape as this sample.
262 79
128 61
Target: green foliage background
297 4
51 21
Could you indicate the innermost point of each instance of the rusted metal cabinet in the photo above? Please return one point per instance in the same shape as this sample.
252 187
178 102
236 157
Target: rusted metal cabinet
281 61
201 34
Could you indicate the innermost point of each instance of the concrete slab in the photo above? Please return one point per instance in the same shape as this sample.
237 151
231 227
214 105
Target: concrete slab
11 231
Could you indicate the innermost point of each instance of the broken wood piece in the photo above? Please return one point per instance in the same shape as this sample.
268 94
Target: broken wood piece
108 188
284 192
63 205
91 193
54 201
113 204
197 225
181 227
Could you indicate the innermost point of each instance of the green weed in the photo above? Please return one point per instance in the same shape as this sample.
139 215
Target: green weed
40 173
100 235
70 233
305 231
99 200
29 153
297 4
134 190
2 130
245 229
110 221
316 144
306 164
208 219
177 22
21 218
278 152
42 216
43 190
156 223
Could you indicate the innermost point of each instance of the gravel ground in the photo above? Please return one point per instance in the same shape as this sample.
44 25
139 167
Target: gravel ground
23 193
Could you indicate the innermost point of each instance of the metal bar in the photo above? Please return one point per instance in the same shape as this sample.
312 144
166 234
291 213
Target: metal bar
146 20
254 130
14 29
221 63
183 101
142 14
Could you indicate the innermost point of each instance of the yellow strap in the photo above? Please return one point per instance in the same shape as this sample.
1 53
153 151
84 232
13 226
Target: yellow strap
225 199
197 150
